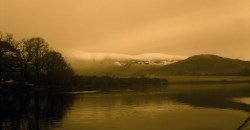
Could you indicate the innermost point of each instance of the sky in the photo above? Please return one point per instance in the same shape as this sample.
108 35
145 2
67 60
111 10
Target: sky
176 27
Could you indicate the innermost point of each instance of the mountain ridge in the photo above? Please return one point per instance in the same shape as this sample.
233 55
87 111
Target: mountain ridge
204 64
156 64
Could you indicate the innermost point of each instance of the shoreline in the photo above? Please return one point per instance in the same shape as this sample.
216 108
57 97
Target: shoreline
124 85
209 82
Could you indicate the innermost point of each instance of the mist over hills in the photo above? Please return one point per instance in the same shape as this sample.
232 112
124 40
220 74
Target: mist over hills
85 63
87 56
155 64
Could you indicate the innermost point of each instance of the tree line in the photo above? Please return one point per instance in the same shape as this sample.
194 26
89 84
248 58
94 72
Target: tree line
31 61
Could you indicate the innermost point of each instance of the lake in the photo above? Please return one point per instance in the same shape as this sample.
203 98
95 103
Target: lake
173 107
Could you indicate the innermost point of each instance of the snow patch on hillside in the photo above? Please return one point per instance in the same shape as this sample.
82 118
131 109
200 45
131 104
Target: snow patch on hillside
158 56
87 56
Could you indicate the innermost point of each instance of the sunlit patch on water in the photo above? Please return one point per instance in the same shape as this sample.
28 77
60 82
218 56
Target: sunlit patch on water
245 100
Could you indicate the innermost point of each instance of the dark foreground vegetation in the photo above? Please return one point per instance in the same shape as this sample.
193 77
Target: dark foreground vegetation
31 62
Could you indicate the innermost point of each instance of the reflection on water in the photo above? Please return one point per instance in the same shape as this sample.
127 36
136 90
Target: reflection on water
183 107
33 111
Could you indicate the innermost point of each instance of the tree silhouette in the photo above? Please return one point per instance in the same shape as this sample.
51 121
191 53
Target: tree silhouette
31 52
30 60
55 68
8 61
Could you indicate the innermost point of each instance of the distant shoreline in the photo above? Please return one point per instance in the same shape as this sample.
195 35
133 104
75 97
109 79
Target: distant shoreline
210 82
91 83
206 79
115 83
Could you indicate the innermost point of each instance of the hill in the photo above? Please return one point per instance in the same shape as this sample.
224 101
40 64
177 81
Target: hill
205 65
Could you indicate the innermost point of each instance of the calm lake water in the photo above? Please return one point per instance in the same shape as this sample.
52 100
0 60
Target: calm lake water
174 107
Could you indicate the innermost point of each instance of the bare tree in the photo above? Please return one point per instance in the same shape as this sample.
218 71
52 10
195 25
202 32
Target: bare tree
31 52
40 49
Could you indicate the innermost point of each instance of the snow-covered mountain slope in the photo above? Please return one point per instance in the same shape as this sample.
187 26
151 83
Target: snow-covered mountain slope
158 57
147 58
85 63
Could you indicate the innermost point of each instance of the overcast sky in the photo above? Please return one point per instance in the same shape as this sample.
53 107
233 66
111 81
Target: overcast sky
178 27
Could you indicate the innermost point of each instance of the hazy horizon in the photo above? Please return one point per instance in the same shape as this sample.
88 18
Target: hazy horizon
177 27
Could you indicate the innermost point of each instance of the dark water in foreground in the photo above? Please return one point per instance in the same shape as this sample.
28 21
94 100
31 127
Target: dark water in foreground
183 107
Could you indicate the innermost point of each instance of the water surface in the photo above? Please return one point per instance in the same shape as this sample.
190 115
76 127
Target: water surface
176 107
